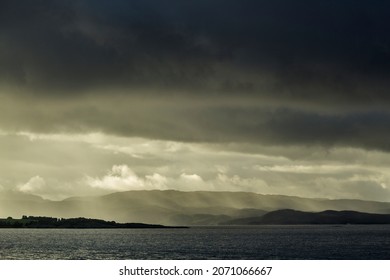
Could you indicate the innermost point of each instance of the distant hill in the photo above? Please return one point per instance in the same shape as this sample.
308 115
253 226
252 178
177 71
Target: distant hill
176 207
293 217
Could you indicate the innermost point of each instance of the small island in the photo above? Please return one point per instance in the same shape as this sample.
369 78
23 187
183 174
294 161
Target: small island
82 223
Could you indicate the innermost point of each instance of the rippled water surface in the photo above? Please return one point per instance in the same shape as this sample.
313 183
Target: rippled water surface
262 242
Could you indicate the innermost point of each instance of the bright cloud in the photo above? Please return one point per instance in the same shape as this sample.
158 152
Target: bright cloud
34 185
156 181
119 178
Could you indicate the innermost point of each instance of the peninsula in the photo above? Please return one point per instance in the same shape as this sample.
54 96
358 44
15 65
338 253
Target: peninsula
49 222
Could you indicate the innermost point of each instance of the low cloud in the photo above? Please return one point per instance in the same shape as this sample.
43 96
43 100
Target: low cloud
369 187
34 186
191 182
235 182
119 178
194 178
123 178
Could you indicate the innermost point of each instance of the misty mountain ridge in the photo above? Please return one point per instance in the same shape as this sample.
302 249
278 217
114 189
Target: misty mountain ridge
171 207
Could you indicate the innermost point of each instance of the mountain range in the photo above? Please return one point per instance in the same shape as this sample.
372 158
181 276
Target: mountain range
172 207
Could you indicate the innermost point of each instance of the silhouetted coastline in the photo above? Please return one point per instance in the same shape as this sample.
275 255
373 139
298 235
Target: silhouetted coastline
50 222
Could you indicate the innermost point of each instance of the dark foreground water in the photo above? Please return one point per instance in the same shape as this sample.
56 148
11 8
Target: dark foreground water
262 242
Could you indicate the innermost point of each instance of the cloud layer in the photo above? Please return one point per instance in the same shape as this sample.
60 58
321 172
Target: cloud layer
294 73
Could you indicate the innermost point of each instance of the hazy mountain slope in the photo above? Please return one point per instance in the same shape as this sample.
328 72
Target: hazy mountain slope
177 208
188 208
238 200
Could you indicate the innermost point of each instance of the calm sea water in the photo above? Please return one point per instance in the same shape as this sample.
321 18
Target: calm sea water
262 242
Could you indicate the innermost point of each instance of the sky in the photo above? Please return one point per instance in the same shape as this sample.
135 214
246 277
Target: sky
273 97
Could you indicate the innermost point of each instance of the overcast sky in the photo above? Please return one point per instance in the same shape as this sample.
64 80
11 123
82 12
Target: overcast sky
276 97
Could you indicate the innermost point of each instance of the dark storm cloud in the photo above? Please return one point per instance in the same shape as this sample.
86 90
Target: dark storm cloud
54 46
339 46
295 56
